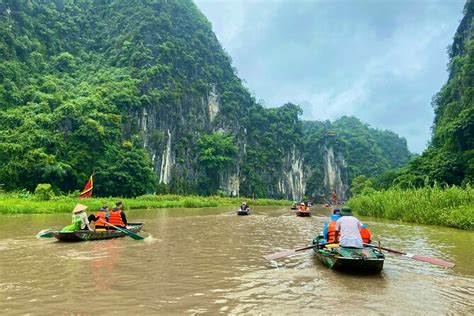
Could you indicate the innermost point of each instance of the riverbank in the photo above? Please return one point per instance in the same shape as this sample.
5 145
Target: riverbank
14 204
452 207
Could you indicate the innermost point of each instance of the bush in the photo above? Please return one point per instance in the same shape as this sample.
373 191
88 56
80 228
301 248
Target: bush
44 192
450 206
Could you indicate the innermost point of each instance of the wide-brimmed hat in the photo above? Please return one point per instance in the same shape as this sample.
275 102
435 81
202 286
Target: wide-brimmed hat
79 208
346 211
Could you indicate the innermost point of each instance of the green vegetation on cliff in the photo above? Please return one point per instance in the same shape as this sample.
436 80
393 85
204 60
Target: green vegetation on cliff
142 93
367 151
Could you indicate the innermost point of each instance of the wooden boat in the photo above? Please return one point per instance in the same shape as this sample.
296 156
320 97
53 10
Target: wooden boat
243 212
303 213
366 260
86 235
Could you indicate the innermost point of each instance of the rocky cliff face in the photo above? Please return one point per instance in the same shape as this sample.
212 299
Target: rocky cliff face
335 174
171 144
142 92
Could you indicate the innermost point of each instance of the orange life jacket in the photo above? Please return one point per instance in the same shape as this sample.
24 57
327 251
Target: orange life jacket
101 216
332 232
115 218
365 234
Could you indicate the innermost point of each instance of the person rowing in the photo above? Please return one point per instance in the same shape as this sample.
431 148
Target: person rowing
79 219
348 229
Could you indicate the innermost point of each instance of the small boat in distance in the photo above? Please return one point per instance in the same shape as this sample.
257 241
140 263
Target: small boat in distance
306 213
86 235
243 212
303 210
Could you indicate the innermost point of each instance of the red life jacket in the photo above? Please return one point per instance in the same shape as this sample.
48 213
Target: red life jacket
332 231
101 216
365 234
115 218
303 208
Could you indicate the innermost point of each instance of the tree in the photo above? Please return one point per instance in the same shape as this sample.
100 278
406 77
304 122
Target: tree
216 152
359 184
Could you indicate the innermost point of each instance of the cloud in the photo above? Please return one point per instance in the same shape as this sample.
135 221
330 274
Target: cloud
381 61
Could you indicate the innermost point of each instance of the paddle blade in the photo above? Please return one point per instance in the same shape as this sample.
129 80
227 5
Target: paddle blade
435 261
130 234
46 233
135 236
278 255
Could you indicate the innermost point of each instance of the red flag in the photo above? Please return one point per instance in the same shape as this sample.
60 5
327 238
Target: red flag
87 192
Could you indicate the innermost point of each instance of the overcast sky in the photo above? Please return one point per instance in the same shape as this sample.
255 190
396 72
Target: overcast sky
379 60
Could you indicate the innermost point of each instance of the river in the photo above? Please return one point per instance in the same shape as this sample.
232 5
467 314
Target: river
209 260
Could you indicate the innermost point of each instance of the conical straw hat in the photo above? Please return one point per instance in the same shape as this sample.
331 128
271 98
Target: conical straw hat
79 208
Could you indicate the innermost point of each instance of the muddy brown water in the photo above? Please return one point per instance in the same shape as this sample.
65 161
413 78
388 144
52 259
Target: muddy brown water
209 261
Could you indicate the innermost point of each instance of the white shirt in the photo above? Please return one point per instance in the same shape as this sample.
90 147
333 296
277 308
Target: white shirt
348 227
83 217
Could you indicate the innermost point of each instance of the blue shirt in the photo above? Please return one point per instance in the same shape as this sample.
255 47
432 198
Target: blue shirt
106 213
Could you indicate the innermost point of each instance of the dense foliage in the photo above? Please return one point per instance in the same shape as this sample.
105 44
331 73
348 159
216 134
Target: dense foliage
367 151
272 134
111 86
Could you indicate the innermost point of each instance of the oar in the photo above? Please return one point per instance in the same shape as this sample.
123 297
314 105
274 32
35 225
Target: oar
125 231
287 253
435 261
45 233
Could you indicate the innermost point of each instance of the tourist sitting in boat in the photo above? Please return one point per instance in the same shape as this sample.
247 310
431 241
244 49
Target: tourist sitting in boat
302 207
79 219
329 230
244 206
117 217
102 215
348 229
365 234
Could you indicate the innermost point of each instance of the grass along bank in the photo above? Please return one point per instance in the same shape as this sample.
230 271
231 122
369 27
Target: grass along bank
14 204
453 206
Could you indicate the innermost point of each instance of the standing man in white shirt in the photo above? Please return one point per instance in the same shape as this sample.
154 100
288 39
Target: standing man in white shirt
348 229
